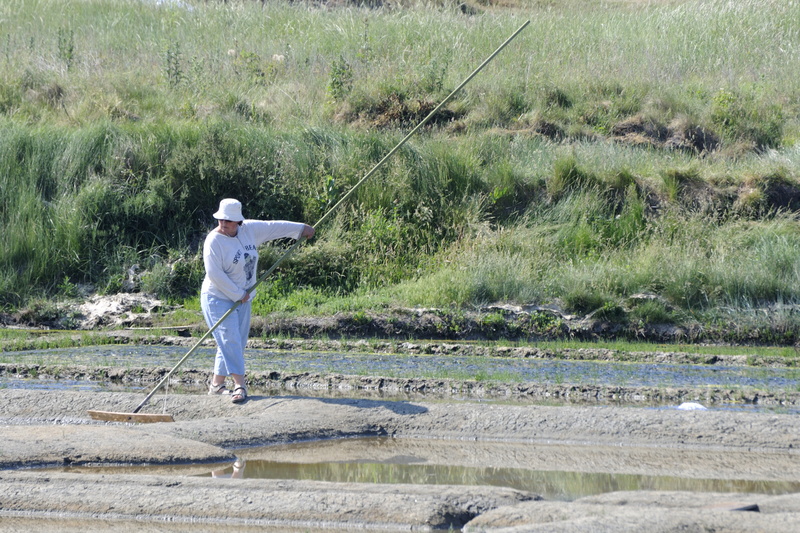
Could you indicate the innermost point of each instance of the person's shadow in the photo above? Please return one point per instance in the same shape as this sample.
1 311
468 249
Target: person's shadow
400 408
397 407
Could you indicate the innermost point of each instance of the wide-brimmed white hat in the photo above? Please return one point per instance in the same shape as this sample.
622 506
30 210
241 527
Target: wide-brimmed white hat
229 209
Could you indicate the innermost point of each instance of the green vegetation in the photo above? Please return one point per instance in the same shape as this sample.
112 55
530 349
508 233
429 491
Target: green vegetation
649 347
613 148
18 340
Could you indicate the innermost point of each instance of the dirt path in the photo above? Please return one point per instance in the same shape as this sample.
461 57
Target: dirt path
52 428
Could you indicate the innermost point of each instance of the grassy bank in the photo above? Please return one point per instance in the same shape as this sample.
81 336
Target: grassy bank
612 149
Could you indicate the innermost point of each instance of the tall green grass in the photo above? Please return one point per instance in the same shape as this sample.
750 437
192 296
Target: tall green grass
579 248
132 58
122 124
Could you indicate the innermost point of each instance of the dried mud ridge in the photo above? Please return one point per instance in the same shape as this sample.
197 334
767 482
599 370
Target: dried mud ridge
52 429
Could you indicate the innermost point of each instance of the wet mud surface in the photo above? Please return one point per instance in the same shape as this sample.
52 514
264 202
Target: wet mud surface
601 427
52 428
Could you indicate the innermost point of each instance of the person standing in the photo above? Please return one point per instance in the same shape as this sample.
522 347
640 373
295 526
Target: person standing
230 256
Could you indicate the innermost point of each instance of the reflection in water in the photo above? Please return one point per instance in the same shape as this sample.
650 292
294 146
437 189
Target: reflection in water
541 469
547 470
552 485
235 471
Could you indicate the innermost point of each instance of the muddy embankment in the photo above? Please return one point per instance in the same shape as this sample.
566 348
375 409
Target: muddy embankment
527 323
42 428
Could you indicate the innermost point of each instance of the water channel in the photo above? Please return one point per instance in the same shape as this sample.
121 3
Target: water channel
482 368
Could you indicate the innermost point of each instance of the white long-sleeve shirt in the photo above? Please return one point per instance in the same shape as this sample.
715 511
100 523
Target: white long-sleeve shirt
232 262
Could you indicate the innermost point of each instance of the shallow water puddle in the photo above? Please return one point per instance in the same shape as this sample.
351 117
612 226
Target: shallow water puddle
434 462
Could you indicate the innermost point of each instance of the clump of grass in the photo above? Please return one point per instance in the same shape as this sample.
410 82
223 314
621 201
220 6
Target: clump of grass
652 312
568 177
742 119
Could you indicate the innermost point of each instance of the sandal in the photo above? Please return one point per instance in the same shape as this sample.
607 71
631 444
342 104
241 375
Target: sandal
239 395
217 389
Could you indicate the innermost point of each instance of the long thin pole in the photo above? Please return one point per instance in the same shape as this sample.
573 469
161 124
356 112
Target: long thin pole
299 241
424 121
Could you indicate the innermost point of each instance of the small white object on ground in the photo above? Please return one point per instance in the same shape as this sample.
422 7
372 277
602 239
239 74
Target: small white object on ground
692 406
